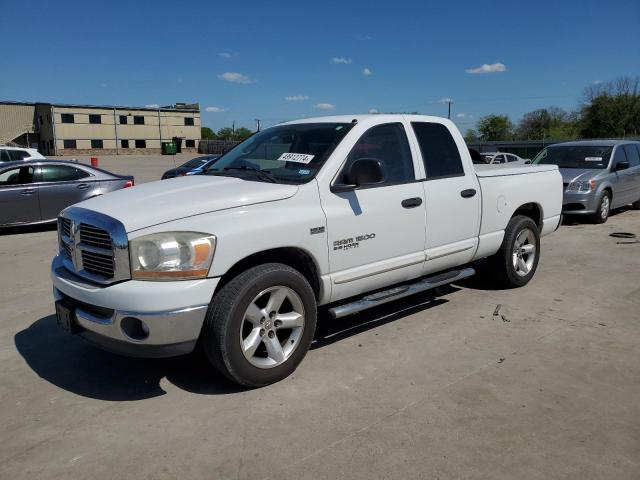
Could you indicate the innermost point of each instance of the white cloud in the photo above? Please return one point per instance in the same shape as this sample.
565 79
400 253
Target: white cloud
296 98
446 100
104 85
152 105
343 60
228 54
325 106
488 68
464 115
373 110
366 72
215 109
235 77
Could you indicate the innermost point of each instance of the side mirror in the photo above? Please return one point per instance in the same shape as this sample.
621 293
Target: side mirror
361 173
622 165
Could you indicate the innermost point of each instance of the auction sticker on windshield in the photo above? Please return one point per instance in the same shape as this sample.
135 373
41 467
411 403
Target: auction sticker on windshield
296 157
592 159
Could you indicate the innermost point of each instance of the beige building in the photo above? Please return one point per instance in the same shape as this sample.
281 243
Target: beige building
60 129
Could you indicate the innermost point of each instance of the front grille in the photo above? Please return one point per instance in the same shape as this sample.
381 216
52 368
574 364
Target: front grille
93 245
97 263
94 236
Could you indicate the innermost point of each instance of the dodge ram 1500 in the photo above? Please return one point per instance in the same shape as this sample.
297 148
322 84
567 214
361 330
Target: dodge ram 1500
345 212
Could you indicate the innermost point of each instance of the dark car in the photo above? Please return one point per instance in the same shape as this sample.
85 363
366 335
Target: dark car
35 191
192 167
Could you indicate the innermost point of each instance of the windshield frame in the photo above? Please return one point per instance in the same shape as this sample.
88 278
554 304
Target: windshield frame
251 175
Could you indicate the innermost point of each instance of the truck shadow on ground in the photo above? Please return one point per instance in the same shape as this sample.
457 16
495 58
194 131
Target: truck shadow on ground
70 363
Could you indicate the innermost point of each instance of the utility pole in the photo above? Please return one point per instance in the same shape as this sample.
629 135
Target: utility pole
257 124
449 102
233 130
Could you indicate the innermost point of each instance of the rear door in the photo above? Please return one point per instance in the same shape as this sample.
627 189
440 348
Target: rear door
18 196
61 186
452 194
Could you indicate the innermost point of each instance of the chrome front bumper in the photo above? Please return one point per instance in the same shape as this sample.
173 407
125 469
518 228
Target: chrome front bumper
104 314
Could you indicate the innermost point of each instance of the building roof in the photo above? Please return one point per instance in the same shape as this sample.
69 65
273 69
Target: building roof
178 107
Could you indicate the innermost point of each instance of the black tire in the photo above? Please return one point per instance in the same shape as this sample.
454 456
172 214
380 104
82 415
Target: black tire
221 335
601 216
502 263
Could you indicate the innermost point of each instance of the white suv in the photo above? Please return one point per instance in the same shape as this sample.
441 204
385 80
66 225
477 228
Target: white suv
9 154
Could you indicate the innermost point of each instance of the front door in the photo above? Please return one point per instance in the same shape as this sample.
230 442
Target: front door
376 233
18 196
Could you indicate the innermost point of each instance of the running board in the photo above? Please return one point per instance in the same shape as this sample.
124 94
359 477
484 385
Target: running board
402 291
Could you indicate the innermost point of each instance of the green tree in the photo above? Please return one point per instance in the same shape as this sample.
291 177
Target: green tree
549 122
471 136
612 109
243 133
225 133
207 134
495 127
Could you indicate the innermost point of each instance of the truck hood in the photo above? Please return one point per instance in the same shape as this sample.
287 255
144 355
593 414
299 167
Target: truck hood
572 174
163 201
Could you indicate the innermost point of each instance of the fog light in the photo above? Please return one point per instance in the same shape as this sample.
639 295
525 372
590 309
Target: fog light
134 328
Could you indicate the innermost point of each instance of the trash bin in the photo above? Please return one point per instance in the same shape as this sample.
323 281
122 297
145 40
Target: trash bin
168 148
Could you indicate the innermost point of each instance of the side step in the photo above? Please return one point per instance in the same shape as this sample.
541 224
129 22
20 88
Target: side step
402 291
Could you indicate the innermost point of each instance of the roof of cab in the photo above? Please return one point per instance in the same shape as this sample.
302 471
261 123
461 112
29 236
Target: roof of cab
362 117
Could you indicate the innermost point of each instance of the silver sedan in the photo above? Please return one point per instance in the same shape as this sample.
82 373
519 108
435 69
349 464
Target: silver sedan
36 191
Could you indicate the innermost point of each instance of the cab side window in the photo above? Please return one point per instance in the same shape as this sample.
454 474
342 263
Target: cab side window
16 176
61 173
388 144
440 153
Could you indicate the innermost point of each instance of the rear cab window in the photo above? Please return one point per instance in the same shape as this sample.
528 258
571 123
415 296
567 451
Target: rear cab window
440 153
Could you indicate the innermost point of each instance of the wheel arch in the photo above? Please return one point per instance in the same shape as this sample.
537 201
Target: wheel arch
294 257
532 210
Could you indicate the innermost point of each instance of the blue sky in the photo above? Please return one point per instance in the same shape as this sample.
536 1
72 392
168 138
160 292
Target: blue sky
282 60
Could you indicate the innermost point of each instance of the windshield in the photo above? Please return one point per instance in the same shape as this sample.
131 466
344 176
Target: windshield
282 154
576 156
196 162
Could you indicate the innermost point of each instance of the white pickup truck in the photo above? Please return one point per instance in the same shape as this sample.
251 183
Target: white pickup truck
342 212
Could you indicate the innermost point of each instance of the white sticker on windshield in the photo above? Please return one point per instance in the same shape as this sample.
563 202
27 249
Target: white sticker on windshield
296 157
592 159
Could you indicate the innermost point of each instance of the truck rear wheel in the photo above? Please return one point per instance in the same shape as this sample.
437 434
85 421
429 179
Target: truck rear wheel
516 261
260 325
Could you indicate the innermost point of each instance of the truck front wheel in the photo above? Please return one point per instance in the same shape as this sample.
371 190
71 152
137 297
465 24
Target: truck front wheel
516 261
260 325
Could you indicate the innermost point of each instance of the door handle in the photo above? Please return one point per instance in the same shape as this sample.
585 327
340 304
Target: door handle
28 191
83 186
468 193
411 202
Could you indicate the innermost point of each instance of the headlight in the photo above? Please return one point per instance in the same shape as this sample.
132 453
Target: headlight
582 186
171 256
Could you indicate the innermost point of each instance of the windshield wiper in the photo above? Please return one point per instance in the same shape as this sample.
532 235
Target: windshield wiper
266 174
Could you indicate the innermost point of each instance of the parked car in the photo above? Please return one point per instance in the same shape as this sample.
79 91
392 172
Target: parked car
10 154
597 175
36 191
493 158
320 211
192 167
